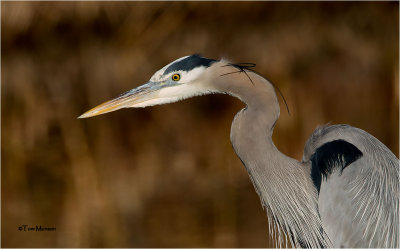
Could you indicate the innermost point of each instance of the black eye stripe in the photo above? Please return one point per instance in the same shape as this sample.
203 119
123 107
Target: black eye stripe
189 64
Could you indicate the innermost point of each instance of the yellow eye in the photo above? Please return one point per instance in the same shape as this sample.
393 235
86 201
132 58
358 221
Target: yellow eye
176 77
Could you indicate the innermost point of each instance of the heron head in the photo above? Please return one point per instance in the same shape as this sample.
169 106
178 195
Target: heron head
183 78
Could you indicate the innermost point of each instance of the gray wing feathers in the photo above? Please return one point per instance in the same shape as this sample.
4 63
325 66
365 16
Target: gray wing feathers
359 206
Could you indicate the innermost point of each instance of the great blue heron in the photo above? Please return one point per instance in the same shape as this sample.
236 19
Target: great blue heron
343 193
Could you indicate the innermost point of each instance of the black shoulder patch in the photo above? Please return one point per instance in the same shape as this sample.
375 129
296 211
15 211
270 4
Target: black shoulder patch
189 63
330 156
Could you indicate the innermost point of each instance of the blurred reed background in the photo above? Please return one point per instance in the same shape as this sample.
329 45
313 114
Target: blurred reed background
166 176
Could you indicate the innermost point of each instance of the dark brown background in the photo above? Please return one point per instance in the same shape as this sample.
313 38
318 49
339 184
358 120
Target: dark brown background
167 176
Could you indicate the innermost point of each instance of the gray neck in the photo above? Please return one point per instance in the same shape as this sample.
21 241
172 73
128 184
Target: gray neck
283 184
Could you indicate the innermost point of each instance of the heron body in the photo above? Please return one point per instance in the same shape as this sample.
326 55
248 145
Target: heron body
343 193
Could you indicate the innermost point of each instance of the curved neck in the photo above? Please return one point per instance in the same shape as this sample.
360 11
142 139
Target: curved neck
283 184
252 89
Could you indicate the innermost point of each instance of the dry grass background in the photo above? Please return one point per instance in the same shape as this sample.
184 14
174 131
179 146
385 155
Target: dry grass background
167 176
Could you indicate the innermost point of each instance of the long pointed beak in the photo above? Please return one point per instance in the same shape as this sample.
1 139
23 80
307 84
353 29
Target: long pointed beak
130 98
